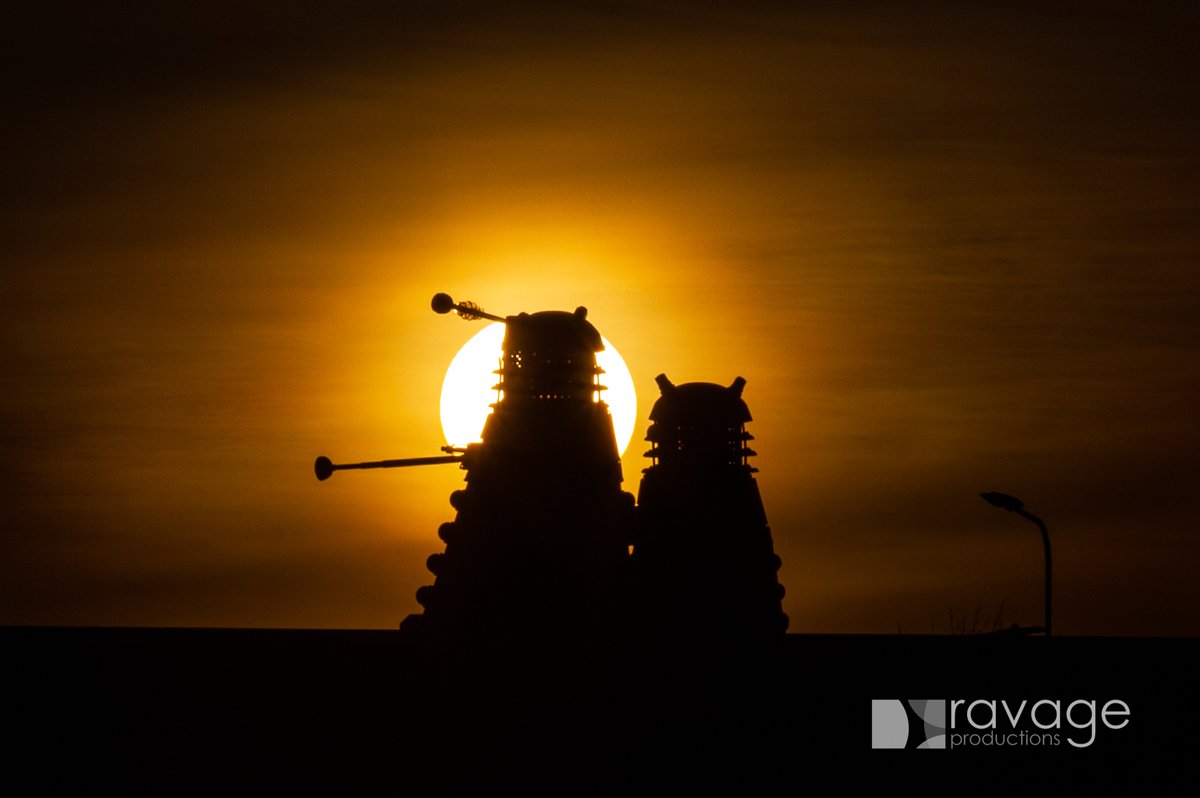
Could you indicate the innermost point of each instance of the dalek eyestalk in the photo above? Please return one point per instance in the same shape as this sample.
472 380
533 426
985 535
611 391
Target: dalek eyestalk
443 303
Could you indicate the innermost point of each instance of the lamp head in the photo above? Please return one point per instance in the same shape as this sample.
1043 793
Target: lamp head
1003 501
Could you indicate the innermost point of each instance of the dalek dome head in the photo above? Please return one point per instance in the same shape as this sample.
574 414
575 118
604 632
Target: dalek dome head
553 331
699 423
550 355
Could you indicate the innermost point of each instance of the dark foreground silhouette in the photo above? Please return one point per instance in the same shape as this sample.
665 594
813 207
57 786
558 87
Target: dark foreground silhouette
174 711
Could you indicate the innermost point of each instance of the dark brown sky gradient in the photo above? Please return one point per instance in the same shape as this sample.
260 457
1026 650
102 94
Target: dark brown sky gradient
952 248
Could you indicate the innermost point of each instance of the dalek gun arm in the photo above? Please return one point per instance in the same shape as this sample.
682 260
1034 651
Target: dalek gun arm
324 467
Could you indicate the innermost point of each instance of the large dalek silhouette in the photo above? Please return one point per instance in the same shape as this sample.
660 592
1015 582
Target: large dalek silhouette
539 549
546 546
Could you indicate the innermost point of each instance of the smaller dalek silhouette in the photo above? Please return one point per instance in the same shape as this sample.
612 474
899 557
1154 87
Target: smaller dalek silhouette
704 561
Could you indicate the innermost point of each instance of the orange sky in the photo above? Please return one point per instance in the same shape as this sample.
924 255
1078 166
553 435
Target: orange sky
951 250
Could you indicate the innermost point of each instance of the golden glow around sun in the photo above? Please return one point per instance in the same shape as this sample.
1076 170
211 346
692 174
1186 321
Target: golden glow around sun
468 390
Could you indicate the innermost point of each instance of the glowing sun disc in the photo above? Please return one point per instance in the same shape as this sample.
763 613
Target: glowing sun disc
467 391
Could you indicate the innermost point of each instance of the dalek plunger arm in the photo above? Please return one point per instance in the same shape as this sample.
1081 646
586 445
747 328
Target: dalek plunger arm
324 467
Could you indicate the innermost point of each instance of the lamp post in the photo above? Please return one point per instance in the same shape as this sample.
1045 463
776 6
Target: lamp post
1014 505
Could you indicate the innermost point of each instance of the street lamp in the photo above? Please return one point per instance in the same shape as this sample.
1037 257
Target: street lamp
1014 505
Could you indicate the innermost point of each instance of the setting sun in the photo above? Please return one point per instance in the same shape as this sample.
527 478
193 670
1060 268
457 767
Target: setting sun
469 388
